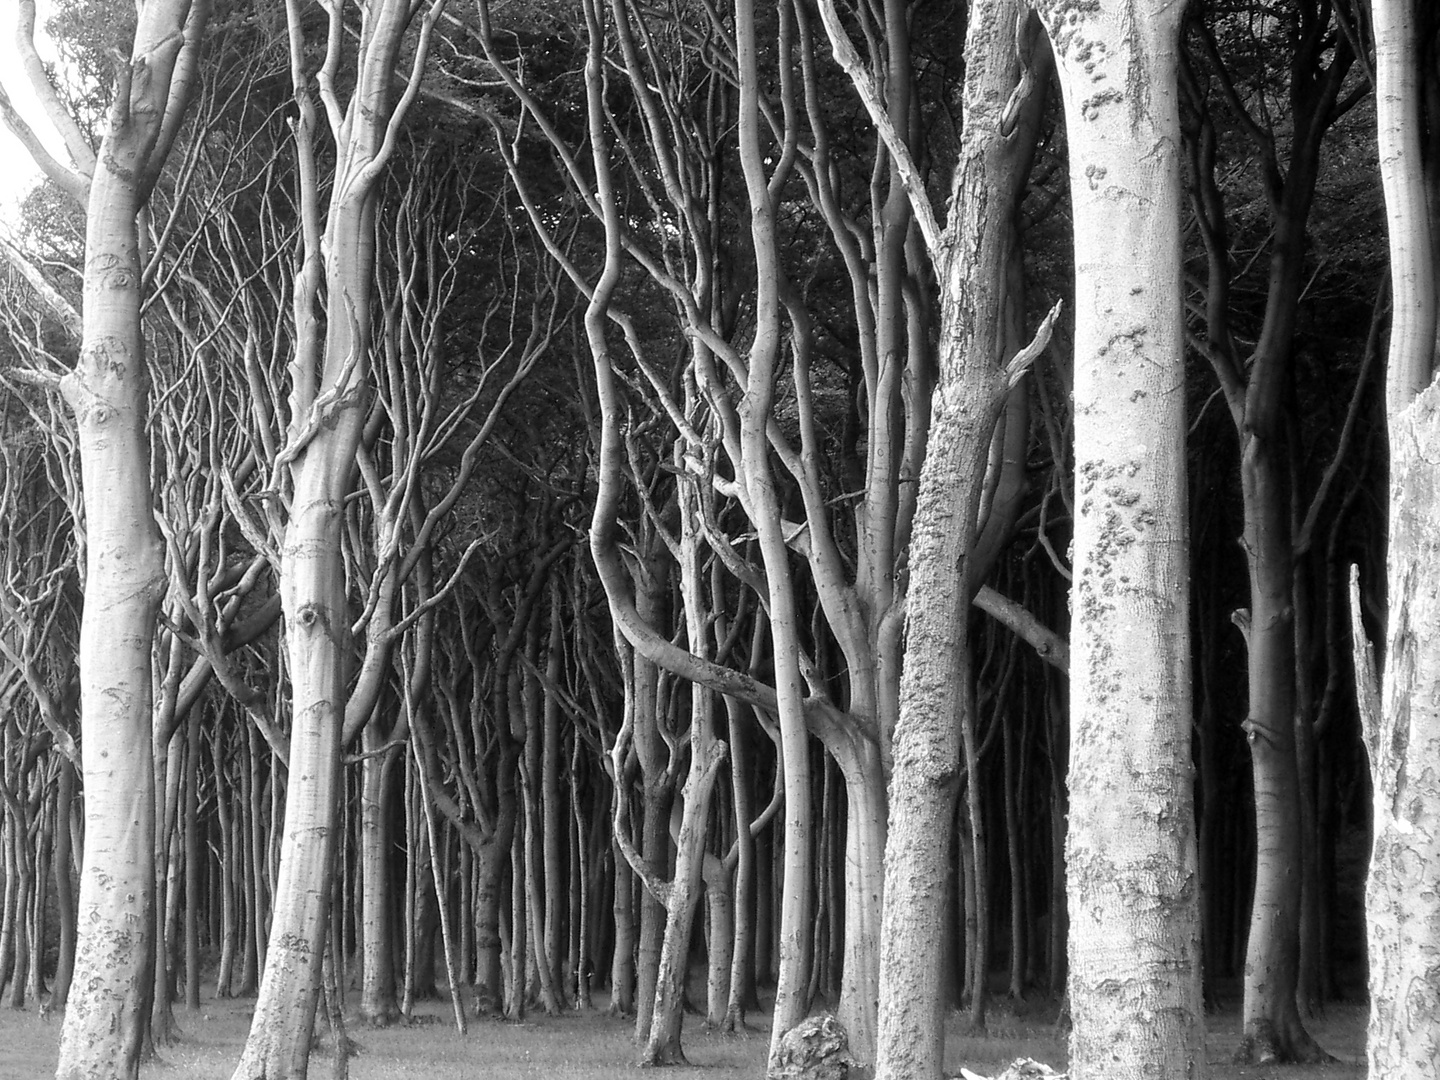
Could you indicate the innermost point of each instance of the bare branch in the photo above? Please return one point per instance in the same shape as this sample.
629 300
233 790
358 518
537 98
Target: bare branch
910 177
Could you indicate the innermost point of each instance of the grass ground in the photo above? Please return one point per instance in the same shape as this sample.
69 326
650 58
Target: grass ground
592 1046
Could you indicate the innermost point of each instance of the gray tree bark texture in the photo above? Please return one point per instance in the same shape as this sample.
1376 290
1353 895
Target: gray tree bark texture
936 689
1402 722
1133 885
108 390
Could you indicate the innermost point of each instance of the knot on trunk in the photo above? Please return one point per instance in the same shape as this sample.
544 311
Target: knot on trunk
817 1048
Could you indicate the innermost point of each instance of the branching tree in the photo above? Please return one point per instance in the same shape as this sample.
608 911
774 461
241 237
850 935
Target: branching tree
973 255
124 577
312 476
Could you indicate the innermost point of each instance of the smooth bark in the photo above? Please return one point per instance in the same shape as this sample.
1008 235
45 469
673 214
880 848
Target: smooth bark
1402 722
1131 860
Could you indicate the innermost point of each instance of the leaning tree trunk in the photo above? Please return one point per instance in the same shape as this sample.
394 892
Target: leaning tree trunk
707 754
1131 862
1402 729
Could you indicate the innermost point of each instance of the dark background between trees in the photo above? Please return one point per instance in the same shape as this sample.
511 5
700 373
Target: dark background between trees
482 637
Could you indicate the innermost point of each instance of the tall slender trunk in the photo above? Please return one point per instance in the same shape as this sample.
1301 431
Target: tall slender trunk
622 961
707 754
378 1006
193 865
64 889
552 809
489 871
742 971
1402 720
329 405
231 920
124 583
1131 862
936 690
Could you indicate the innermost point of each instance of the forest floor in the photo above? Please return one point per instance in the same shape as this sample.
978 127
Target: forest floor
594 1046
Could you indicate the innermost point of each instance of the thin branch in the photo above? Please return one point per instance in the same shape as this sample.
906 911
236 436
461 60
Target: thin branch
910 177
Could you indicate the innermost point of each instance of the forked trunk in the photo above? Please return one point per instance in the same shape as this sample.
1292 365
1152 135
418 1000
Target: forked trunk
936 688
662 1047
329 404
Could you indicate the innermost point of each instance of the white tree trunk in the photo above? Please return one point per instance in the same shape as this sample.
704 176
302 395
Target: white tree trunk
124 573
1131 862
936 691
1402 899
329 404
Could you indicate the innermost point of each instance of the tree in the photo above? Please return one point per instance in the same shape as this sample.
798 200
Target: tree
972 256
1402 717
124 577
1130 851
328 407
1260 393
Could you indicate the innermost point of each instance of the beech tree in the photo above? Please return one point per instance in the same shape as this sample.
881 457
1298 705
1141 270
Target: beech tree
1130 850
124 575
972 256
782 428
1401 718
1259 390
314 473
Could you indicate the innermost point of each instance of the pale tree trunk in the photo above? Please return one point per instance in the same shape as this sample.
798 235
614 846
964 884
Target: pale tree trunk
124 574
1131 861
328 406
657 786
742 975
707 754
193 864
1402 734
378 1006
719 939
759 483
936 689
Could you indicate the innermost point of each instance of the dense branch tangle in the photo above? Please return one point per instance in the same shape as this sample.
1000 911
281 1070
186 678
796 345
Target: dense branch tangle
663 177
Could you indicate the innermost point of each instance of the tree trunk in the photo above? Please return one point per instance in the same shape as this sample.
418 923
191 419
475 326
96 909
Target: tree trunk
1131 862
64 890
124 583
1402 725
193 865
1273 1029
742 970
329 405
378 1006
864 882
936 688
662 1046
231 923
552 809
622 962
489 872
